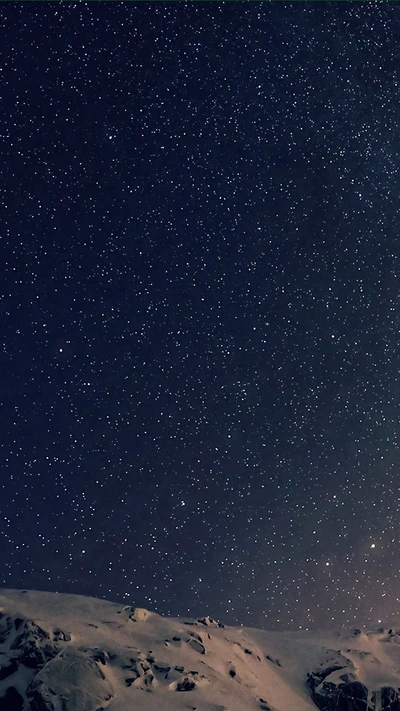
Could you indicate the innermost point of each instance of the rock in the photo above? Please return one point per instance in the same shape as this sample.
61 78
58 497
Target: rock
32 644
6 625
162 667
139 614
40 699
207 621
197 646
130 680
74 677
335 661
331 691
354 696
60 635
9 669
98 655
390 699
148 678
12 700
186 684
350 696
347 678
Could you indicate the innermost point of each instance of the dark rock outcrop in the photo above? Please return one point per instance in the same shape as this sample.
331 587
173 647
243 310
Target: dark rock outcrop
351 695
60 635
197 646
6 625
186 684
12 700
390 698
8 669
196 643
32 645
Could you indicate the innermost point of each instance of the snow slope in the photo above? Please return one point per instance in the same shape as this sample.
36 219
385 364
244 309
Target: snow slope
74 653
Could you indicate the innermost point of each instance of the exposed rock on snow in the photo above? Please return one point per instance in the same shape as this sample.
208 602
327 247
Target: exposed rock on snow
72 678
71 653
32 644
335 686
12 700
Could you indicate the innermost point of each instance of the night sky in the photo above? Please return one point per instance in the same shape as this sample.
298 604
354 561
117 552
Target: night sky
199 259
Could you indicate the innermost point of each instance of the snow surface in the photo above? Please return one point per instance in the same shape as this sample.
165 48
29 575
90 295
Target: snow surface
104 655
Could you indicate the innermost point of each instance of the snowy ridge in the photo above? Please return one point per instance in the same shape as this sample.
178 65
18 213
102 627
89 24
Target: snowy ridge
74 653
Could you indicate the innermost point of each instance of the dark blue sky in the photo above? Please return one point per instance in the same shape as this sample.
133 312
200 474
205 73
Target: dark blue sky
199 374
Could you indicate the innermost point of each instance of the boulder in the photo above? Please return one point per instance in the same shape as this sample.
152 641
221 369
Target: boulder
74 677
11 700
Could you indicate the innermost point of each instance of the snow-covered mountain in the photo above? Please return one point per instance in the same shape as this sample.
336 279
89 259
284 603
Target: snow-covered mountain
74 653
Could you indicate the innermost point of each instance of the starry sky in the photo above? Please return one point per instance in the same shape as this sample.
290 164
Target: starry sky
199 260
